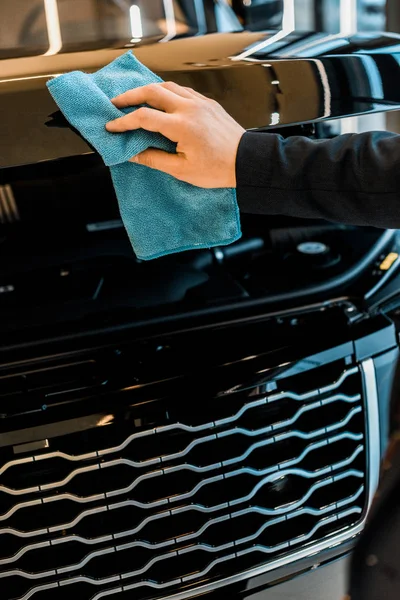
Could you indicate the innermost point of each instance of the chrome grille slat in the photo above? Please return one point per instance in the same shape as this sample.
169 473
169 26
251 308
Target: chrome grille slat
257 548
181 426
263 511
274 427
288 513
221 496
195 548
287 435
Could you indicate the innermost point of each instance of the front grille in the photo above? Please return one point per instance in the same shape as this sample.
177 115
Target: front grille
177 492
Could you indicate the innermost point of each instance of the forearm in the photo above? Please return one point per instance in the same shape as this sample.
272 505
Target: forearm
351 179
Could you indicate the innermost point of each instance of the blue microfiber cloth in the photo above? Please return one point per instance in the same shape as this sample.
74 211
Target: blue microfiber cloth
161 214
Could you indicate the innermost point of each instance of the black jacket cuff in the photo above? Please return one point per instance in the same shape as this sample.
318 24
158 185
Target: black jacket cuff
253 171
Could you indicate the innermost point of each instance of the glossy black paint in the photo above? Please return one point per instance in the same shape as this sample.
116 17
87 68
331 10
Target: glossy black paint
261 90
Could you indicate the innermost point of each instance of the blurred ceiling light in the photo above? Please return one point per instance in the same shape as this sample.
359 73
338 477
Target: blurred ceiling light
136 23
275 118
31 77
288 26
53 27
348 16
348 24
325 86
170 20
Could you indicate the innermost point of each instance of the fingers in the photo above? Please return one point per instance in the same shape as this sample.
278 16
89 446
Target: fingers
198 95
183 92
146 118
155 95
162 161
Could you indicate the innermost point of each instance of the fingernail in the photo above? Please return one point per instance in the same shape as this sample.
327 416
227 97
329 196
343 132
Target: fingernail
109 126
135 159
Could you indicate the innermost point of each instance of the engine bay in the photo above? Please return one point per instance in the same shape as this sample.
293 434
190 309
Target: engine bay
66 257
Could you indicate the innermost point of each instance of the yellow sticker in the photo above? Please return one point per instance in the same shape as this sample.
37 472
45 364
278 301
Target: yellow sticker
388 261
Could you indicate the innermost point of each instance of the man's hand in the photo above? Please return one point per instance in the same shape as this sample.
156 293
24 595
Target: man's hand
207 137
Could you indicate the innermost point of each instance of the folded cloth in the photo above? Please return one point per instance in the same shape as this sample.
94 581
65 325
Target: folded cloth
161 214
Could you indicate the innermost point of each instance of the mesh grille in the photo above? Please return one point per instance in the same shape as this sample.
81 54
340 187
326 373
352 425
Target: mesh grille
208 491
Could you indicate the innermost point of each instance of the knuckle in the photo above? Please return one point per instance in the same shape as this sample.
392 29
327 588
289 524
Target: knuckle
152 91
168 85
152 87
140 114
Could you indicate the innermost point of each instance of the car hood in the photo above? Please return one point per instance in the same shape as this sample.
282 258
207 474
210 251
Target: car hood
262 79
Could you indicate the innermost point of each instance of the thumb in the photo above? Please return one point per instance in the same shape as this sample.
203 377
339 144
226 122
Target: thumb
160 160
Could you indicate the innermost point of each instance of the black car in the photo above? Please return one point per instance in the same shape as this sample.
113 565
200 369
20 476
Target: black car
207 423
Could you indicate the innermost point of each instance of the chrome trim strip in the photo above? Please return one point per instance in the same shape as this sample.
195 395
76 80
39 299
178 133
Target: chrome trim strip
241 412
39 588
151 584
77 519
338 382
373 431
107 593
148 565
68 478
84 561
90 580
141 525
217 561
20 461
59 454
202 440
142 544
31 490
196 488
22 551
74 498
16 507
81 540
188 428
23 534
19 573
134 483
192 536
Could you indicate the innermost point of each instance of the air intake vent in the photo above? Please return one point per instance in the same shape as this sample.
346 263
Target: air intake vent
167 495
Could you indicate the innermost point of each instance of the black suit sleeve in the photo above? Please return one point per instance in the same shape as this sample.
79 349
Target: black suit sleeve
351 179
